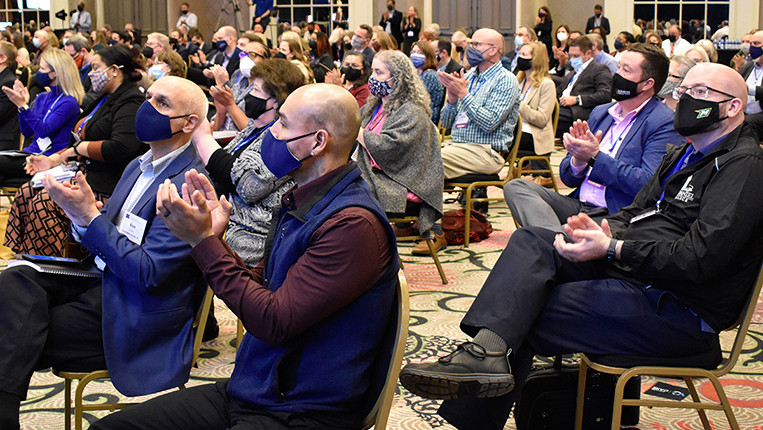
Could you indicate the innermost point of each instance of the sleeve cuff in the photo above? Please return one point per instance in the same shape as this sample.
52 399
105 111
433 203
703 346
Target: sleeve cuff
207 252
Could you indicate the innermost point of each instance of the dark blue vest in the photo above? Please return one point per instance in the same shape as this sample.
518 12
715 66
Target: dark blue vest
330 366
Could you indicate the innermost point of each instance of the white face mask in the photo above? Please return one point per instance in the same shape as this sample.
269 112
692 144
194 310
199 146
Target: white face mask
561 37
36 42
245 66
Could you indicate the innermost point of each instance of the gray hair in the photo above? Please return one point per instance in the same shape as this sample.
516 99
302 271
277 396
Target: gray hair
685 63
407 85
78 42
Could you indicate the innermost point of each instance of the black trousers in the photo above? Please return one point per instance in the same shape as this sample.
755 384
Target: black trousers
209 407
541 303
12 167
565 121
527 148
47 320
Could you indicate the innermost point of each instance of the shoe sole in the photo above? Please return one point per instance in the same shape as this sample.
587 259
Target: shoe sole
443 386
426 251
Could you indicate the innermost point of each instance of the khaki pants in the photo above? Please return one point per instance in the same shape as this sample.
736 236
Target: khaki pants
460 159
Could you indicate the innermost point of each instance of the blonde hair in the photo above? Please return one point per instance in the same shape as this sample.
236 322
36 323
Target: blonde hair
539 69
66 72
406 86
702 54
295 45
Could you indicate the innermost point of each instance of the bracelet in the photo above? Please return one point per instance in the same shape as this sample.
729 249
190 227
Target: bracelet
74 147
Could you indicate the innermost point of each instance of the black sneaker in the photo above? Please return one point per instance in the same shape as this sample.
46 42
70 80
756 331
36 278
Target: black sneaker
475 373
480 193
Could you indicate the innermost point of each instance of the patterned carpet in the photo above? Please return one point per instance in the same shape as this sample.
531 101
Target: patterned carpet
436 311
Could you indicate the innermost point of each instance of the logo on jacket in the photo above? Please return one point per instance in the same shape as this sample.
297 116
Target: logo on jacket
703 113
686 194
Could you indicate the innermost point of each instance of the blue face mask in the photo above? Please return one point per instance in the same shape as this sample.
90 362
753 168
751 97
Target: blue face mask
474 56
418 60
518 42
618 45
277 157
576 63
152 125
755 52
221 45
157 71
43 79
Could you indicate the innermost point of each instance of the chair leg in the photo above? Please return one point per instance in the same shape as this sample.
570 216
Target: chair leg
436 260
725 403
68 403
78 405
695 396
582 373
467 213
401 261
617 406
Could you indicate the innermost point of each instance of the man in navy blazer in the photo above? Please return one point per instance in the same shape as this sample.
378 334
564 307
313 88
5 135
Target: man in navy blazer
136 320
612 155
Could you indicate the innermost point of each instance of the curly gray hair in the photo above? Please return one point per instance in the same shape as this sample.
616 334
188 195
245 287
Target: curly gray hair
406 84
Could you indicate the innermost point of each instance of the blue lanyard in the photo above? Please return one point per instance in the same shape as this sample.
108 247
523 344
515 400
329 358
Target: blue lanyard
755 69
676 168
371 121
52 106
251 137
612 135
87 118
475 77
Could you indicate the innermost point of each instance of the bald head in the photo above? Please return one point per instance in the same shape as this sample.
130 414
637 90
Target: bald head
490 36
181 98
320 104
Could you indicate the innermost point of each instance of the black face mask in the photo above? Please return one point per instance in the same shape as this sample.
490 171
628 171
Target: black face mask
255 106
624 89
459 49
694 116
390 7
351 73
672 38
147 51
348 46
280 55
524 64
313 44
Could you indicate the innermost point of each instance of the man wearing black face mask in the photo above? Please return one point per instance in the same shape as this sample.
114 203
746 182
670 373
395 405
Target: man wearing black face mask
138 309
612 155
391 22
675 44
597 20
661 278
81 21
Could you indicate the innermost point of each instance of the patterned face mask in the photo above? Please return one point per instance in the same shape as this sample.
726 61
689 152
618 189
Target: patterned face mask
379 88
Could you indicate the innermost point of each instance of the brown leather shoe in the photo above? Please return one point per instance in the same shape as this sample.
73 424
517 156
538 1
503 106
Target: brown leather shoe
406 231
438 241
544 181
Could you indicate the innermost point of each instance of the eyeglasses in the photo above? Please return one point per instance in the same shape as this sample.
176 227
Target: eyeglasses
698 92
475 44
253 55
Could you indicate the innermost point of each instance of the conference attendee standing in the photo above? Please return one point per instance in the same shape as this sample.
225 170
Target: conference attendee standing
597 20
187 18
411 29
81 21
391 21
262 11
543 28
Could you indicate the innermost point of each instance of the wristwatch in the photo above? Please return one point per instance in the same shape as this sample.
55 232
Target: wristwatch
24 108
579 100
591 161
611 250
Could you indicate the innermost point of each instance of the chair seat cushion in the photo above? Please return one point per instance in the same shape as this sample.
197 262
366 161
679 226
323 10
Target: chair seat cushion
709 359
473 177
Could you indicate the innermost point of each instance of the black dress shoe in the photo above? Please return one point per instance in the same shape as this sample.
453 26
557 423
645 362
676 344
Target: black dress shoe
469 371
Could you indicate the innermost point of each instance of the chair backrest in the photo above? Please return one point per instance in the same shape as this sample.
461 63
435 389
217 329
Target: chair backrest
377 418
555 115
511 159
200 323
743 325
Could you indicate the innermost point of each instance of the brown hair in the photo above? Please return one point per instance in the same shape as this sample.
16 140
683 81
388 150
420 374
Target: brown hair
655 64
426 48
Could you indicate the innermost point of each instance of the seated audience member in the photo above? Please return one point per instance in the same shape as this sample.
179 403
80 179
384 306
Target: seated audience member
381 41
361 41
679 66
460 43
709 48
676 276
156 43
675 44
79 48
226 56
344 310
743 55
230 94
106 130
445 63
752 72
536 106
603 34
98 39
610 157
560 50
336 42
653 38
9 114
51 118
136 319
423 58
697 54
197 38
320 50
521 36
599 56
481 110
238 171
623 40
290 48
588 86
183 46
400 150
260 29
353 76
168 63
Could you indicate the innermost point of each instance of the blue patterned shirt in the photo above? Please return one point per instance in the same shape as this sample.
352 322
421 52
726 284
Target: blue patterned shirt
436 92
492 106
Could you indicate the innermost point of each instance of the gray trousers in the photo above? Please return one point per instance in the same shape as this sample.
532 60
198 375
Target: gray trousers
534 205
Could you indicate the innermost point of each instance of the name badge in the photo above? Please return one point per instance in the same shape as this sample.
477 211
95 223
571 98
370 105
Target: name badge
461 120
644 215
410 33
43 143
593 192
133 227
